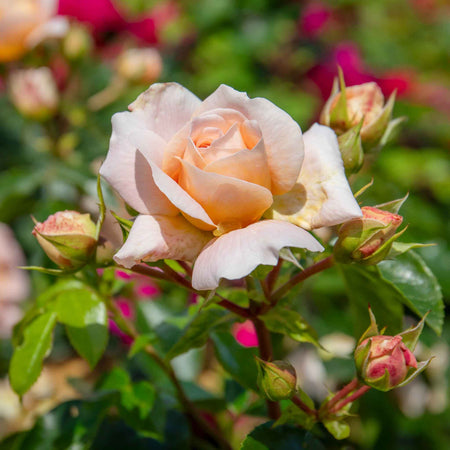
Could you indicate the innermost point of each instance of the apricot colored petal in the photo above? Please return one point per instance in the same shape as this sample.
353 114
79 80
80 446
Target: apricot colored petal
190 208
167 107
282 135
322 195
225 146
127 170
237 253
54 28
226 200
161 237
247 165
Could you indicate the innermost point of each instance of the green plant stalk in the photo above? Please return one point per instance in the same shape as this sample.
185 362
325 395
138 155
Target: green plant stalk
128 328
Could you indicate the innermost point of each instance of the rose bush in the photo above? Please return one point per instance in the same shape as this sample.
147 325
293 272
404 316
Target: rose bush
25 23
203 174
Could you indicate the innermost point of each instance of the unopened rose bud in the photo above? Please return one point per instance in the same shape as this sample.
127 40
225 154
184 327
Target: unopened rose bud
347 107
386 362
277 379
68 238
77 43
367 239
140 65
351 149
34 93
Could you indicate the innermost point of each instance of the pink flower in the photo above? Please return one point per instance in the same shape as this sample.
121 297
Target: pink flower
203 174
314 19
14 282
245 334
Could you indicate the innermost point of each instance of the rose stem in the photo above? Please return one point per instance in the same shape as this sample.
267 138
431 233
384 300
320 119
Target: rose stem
186 267
309 271
273 275
303 406
128 328
266 354
346 390
351 398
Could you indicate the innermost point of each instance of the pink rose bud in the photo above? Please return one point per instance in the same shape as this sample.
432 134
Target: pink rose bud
386 362
68 238
368 239
276 379
362 105
387 355
140 65
34 93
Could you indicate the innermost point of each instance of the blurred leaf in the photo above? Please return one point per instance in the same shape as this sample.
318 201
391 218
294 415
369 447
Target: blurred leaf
365 286
338 428
420 289
198 330
285 437
26 363
295 416
85 317
290 323
238 361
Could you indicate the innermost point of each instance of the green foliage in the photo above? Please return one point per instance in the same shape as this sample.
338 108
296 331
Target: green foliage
26 363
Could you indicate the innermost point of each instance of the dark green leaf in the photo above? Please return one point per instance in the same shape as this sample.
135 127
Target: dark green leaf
85 317
238 361
365 286
26 363
285 437
290 323
420 289
198 330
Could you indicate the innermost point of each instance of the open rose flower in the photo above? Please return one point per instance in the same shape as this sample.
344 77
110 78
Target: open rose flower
25 23
202 175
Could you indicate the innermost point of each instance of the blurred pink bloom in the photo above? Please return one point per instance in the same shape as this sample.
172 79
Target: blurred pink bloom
245 334
14 282
348 57
147 289
104 16
121 275
314 19
127 312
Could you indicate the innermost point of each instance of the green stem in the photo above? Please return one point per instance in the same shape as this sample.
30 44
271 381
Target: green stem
301 276
266 354
304 407
128 328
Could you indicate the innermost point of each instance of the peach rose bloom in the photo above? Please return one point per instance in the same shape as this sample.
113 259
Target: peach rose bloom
227 182
14 282
25 23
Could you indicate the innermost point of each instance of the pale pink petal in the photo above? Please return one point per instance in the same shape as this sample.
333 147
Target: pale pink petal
193 156
54 28
237 253
127 169
190 208
247 165
161 237
167 108
282 136
322 195
228 201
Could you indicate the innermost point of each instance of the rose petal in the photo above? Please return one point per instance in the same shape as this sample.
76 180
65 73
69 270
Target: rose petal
167 107
247 165
322 196
161 237
54 28
190 208
228 201
282 136
237 253
193 156
128 171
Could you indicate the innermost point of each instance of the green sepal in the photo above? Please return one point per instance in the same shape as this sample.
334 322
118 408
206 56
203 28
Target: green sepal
394 205
351 149
410 337
372 330
102 208
339 115
421 366
125 225
398 248
391 130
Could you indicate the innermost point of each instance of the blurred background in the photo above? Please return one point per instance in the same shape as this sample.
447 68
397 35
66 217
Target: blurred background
55 124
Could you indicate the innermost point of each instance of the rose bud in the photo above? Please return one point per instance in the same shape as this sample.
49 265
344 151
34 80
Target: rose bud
347 107
68 238
385 362
77 43
368 239
351 149
276 379
140 65
34 93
